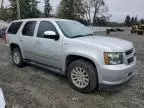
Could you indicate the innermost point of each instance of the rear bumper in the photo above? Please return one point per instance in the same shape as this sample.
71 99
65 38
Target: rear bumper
116 74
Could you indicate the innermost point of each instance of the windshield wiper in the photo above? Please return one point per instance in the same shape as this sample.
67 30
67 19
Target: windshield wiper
90 34
78 36
82 35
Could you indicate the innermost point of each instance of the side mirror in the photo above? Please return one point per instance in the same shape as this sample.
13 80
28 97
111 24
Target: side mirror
51 35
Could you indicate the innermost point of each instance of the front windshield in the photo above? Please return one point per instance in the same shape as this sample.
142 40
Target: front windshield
72 29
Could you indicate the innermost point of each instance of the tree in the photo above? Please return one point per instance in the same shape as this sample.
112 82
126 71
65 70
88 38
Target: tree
99 9
79 9
127 21
71 9
47 8
82 9
1 9
35 12
28 9
115 24
132 21
141 21
135 20
65 9
4 15
97 5
1 3
88 10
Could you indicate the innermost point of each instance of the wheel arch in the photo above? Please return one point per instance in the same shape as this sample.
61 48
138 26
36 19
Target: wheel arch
14 45
72 57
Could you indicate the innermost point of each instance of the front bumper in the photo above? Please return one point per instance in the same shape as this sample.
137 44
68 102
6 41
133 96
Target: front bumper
116 74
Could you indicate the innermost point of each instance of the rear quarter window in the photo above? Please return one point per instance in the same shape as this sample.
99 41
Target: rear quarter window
14 27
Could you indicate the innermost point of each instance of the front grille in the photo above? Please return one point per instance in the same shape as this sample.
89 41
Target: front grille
130 60
129 51
130 54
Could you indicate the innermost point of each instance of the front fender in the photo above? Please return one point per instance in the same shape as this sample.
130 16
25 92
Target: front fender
86 54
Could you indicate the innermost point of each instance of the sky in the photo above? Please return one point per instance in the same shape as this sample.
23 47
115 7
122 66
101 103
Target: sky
117 8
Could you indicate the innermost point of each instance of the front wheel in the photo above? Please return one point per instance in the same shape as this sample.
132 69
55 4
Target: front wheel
82 76
17 57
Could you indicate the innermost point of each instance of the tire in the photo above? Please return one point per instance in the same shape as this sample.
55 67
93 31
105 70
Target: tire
17 57
89 72
132 31
140 33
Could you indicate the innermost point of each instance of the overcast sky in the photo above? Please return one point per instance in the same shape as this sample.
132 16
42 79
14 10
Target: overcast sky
118 8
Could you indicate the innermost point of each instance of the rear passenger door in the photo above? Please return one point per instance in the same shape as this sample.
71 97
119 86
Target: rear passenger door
27 39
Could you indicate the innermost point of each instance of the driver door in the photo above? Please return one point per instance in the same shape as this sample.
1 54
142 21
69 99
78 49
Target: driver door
48 51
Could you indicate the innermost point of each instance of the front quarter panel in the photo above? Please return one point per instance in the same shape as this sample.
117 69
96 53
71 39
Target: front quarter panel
72 47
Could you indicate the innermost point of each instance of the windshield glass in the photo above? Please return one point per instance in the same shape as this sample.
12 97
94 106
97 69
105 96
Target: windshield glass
72 29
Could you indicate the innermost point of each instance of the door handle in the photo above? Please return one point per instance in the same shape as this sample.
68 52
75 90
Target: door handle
20 39
38 42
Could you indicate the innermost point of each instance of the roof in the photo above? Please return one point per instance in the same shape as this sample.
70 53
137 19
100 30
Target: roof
50 19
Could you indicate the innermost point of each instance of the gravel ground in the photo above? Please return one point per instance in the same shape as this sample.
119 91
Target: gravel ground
34 87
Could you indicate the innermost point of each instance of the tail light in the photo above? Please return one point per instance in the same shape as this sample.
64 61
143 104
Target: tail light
5 39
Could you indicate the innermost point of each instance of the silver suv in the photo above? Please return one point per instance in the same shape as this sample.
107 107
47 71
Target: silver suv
69 48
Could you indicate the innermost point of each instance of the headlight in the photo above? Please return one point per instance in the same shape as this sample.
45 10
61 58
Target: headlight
113 58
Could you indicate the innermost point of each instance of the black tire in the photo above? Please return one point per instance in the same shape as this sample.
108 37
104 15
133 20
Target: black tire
91 71
21 62
140 33
132 31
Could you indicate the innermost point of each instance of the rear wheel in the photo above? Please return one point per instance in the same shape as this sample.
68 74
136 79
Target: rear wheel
82 76
17 57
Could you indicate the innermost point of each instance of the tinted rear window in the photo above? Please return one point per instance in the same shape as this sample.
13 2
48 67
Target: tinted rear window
29 28
14 27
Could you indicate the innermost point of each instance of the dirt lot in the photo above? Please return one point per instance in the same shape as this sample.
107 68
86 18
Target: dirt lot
34 87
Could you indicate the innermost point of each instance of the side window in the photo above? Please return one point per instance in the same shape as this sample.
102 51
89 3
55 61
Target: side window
29 28
45 26
14 27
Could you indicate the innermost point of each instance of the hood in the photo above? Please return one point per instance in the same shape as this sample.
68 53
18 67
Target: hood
108 43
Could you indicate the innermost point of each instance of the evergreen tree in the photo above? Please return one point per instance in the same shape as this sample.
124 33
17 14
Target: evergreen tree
71 9
135 20
4 13
132 21
47 8
127 21
66 9
1 10
28 9
141 21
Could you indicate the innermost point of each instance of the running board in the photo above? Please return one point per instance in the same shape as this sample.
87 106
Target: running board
50 68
